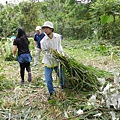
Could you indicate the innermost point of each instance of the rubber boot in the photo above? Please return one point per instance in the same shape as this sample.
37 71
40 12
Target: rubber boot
29 77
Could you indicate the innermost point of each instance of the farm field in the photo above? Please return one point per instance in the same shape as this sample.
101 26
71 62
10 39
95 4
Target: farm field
29 101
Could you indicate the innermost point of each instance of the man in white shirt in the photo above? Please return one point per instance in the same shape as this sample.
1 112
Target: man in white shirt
51 41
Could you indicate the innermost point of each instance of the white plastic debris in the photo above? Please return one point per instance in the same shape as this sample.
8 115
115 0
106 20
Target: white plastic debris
102 101
116 77
106 89
108 103
65 113
97 115
92 98
113 116
118 102
79 112
102 80
114 102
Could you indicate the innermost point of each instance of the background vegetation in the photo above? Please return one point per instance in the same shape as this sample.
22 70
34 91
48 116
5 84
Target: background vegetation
98 19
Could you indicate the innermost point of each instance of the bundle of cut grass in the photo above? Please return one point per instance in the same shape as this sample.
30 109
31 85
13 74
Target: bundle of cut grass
78 76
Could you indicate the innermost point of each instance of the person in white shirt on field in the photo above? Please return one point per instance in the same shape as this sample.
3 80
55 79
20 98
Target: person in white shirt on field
51 41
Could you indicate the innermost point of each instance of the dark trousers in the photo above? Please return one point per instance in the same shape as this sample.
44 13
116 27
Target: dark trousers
22 69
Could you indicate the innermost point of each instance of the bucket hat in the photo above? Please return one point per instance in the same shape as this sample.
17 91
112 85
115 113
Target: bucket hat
48 24
38 28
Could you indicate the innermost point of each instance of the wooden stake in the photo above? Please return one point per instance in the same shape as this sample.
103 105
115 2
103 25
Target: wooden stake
112 56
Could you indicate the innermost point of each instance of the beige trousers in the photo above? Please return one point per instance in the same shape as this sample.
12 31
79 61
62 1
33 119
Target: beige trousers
36 57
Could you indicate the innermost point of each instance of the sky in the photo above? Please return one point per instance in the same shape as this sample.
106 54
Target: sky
4 1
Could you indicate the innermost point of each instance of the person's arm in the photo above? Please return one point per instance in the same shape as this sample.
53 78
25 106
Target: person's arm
60 48
14 50
44 48
15 43
35 43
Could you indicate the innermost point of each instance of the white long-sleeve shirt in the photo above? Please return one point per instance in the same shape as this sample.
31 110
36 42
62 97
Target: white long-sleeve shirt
46 45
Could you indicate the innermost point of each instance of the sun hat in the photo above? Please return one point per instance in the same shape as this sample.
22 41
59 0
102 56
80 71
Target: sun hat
38 28
48 24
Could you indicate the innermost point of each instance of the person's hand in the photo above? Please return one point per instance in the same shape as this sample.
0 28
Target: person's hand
64 54
14 56
35 47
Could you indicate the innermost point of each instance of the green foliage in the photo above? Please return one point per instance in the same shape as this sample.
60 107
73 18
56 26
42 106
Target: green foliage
78 21
22 15
7 50
28 15
5 83
104 14
8 20
10 57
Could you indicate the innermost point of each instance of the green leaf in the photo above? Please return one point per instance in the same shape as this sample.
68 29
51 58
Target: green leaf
104 19
110 19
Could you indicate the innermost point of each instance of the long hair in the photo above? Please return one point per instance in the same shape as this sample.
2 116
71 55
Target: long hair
21 33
